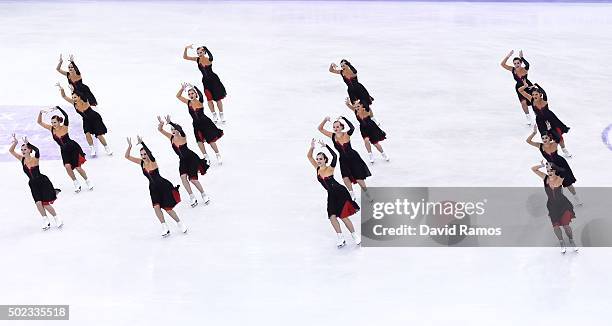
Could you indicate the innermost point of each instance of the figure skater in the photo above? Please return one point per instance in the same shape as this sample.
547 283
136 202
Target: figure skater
43 192
92 121
213 88
548 149
370 131
545 118
339 201
190 164
519 72
204 129
72 154
352 167
560 209
75 80
355 89
164 195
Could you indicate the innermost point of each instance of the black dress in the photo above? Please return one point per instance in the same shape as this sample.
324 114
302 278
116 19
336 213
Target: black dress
545 114
560 209
357 91
162 192
519 81
71 151
339 201
41 187
352 165
83 89
213 88
567 175
204 129
189 162
369 129
92 122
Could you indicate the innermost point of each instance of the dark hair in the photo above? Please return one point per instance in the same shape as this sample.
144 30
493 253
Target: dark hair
324 156
58 118
558 170
340 122
349 64
178 128
517 58
76 69
200 96
80 94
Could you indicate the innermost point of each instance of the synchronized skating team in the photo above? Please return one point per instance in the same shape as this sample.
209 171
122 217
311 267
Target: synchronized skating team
341 200
558 173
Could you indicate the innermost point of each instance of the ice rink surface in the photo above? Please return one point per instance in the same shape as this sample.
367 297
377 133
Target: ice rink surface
263 251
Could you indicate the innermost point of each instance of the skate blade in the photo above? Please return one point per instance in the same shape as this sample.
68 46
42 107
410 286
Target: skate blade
166 235
342 245
46 227
194 204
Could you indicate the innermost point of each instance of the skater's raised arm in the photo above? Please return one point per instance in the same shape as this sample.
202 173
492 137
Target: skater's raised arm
63 94
309 154
523 60
333 68
536 170
32 147
59 67
208 53
128 150
146 149
530 138
504 63
160 128
176 126
350 105
40 121
12 149
350 125
524 93
334 156
66 121
542 91
187 57
179 94
322 130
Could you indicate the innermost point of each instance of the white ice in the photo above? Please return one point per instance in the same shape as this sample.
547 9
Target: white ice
263 251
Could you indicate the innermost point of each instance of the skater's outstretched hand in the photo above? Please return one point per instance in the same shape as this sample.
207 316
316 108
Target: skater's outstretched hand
129 141
71 58
139 140
25 140
521 54
321 143
14 140
61 60
312 143
168 120
190 46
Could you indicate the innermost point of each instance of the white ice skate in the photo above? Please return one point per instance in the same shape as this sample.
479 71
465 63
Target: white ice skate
165 231
77 186
566 152
573 244
207 158
108 150
352 195
562 244
193 202
219 160
205 199
58 221
356 238
222 117
46 224
528 117
341 242
92 151
385 156
371 157
89 185
182 226
214 117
